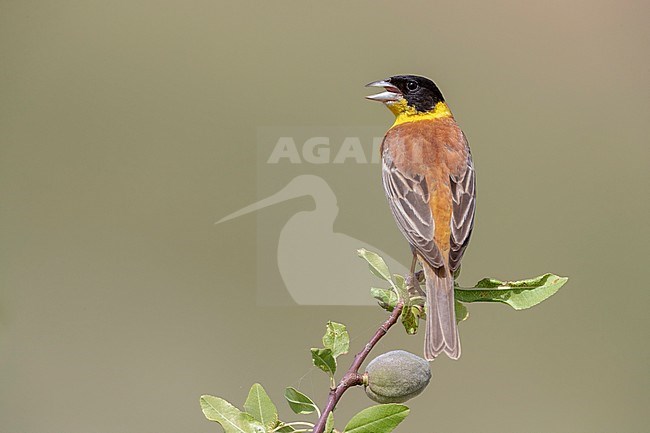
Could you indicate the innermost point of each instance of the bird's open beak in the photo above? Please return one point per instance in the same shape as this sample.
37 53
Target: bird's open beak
392 93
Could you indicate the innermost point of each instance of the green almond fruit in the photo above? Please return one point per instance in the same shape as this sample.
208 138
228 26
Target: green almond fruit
396 377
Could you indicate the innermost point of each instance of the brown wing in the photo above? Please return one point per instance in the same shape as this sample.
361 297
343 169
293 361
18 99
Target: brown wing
463 191
408 197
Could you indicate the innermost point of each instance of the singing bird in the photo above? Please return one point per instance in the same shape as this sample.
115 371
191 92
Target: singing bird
428 177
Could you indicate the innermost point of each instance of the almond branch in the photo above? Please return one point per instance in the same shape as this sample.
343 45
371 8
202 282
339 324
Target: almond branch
352 376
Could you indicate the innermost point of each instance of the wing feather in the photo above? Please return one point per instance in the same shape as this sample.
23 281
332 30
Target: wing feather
408 197
463 190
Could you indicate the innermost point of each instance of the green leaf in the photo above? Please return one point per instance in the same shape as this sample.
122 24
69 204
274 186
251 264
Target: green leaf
329 423
231 419
324 360
259 405
518 294
299 402
402 289
410 314
336 339
382 418
377 265
386 298
461 312
411 319
285 429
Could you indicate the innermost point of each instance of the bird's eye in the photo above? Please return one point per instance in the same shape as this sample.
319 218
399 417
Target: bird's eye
411 86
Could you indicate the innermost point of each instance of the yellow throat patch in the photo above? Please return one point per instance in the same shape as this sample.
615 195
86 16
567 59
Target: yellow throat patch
405 113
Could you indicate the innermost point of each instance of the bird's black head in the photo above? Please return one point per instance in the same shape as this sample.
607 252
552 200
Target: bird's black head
420 93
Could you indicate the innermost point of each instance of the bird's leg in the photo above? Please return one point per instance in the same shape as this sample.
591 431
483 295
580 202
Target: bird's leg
413 278
413 263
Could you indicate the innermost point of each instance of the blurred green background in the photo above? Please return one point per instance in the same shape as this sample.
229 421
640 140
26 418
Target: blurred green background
128 128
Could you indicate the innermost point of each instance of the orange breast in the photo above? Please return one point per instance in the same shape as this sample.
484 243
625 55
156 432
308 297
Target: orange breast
436 150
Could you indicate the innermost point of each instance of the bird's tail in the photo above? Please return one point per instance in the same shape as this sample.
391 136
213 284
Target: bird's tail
441 333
